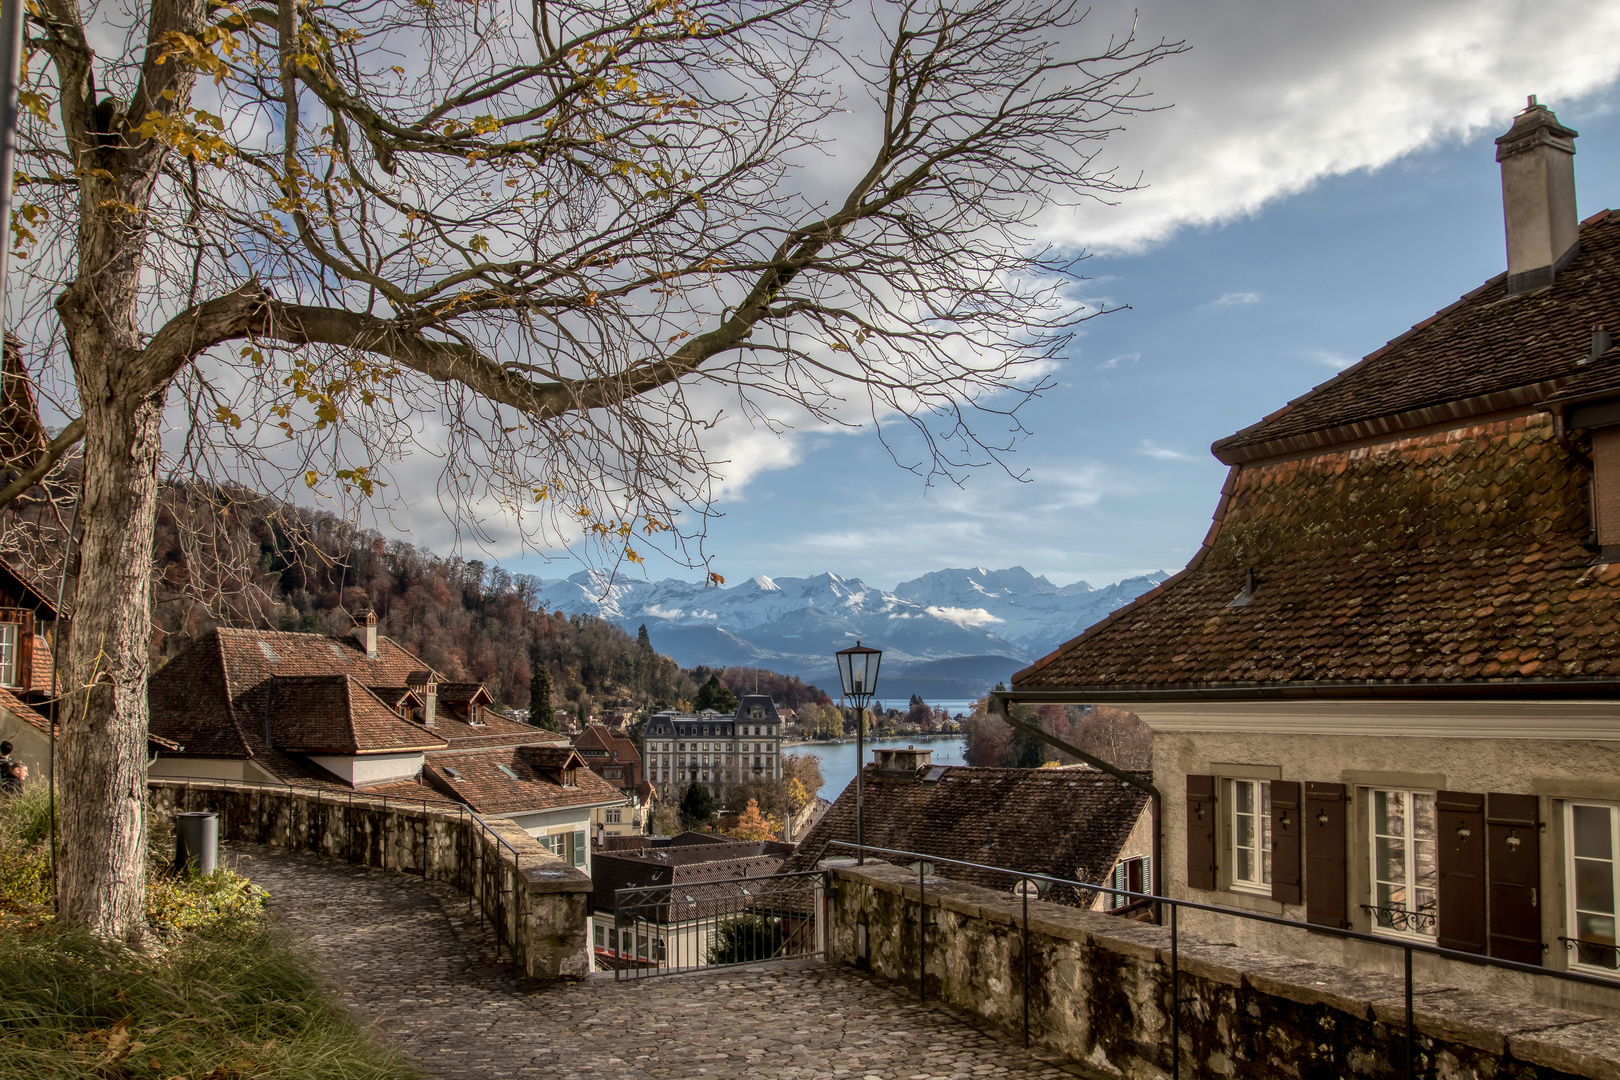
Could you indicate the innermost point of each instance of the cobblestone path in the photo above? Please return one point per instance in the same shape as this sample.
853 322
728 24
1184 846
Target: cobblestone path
406 956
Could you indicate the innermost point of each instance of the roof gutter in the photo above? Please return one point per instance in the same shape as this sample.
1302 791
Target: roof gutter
1458 689
1002 700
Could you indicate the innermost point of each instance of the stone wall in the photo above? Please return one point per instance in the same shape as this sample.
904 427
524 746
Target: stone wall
1099 988
536 900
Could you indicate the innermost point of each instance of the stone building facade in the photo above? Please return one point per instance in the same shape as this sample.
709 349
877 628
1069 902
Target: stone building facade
710 748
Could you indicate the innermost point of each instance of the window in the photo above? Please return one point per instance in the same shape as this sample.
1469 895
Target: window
601 935
1405 873
613 817
1589 841
1251 835
1132 875
8 653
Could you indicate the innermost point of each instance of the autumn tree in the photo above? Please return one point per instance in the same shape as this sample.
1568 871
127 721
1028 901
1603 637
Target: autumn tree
550 245
753 825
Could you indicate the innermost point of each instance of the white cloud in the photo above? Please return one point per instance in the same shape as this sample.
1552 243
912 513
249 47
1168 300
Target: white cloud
1151 449
1274 97
1232 299
1114 361
966 618
1334 360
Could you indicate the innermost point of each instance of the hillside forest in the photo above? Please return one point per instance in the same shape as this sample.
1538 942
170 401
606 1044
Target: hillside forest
237 558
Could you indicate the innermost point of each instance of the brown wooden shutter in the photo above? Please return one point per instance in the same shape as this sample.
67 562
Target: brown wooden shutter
1326 868
25 652
1200 832
1460 847
1285 829
1514 827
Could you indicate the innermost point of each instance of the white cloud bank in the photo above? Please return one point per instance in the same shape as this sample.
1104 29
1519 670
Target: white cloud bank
1274 97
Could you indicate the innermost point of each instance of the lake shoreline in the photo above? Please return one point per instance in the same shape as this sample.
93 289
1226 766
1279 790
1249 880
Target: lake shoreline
951 737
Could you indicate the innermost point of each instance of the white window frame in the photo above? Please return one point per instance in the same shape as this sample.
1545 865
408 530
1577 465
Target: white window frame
10 653
1411 841
1571 909
1260 885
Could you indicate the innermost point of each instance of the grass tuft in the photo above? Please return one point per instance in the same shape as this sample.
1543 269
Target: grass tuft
219 994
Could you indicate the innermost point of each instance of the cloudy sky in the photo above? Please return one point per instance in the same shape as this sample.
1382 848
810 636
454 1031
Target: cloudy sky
1325 179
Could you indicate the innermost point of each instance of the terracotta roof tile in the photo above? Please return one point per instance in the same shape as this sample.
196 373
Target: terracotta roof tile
1457 555
334 714
507 780
1064 822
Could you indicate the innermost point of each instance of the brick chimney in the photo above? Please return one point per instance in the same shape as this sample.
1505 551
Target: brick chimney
904 762
365 632
1538 198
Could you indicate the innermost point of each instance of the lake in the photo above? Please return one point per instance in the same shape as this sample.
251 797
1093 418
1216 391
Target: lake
838 759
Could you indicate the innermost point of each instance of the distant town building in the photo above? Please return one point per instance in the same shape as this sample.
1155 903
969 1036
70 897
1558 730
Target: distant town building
662 925
712 748
610 754
25 670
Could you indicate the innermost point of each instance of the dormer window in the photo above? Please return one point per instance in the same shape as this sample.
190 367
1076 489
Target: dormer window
757 712
13 635
569 779
475 715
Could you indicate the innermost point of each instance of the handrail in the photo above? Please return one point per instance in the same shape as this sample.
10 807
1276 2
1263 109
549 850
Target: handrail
1175 906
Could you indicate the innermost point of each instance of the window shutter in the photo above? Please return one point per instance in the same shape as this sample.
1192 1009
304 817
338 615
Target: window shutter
1460 844
1117 882
1285 875
25 652
1514 827
1200 832
1147 875
1326 868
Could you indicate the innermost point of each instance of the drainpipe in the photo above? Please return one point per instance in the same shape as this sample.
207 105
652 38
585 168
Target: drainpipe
1002 701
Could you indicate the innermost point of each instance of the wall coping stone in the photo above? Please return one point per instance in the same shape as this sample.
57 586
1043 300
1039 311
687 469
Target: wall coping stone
1541 1035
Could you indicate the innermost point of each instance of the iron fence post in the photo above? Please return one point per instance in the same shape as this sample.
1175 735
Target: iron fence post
1175 996
1409 1012
1025 950
922 931
618 968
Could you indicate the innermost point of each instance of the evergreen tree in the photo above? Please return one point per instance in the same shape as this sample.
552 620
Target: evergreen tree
643 642
540 713
697 805
712 695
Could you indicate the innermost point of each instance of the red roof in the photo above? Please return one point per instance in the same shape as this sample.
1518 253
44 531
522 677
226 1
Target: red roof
515 779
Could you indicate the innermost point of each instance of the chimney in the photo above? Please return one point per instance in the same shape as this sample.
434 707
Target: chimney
365 632
430 704
902 762
1538 198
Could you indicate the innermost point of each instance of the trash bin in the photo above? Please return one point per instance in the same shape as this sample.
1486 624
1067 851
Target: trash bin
196 841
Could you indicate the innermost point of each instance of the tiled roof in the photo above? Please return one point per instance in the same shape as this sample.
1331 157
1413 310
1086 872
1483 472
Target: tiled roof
1488 352
508 780
334 714
463 693
19 708
1452 557
600 737
1069 823
493 731
40 665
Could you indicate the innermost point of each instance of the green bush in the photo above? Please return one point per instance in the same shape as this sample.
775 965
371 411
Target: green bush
746 938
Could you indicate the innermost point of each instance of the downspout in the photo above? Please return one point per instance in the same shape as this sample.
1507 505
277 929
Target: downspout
1002 700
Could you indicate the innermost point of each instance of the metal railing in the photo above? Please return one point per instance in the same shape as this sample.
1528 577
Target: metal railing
667 929
1027 883
505 886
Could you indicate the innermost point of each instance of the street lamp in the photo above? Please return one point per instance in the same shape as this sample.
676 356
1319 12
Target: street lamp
858 671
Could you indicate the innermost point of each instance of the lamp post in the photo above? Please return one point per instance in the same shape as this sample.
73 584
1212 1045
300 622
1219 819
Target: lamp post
858 671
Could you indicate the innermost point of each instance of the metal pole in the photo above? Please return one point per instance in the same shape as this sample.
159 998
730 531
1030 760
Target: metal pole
1025 950
922 932
860 768
1175 998
61 581
12 20
1408 1012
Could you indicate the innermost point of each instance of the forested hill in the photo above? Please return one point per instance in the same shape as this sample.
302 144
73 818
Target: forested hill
240 559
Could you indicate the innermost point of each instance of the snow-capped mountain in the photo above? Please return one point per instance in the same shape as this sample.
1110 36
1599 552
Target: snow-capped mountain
794 625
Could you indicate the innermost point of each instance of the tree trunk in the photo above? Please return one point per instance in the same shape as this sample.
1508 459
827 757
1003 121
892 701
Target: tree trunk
103 753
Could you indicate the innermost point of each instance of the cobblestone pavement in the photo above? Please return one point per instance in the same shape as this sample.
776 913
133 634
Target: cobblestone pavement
406 955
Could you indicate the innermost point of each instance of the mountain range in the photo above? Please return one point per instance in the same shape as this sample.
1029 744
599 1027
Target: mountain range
945 635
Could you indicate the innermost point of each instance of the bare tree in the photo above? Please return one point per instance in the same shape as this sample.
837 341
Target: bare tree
552 243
